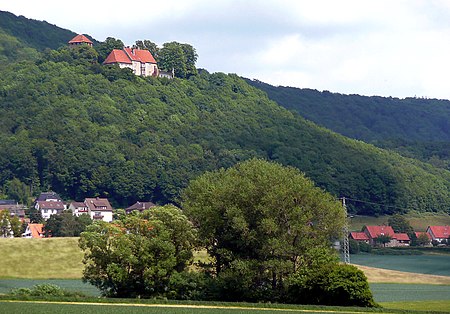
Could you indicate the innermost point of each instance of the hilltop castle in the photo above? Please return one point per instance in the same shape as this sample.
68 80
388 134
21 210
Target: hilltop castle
140 61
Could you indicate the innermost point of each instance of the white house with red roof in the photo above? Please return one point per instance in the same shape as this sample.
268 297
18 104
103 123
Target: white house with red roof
397 239
48 208
140 61
78 208
439 233
99 209
80 40
359 236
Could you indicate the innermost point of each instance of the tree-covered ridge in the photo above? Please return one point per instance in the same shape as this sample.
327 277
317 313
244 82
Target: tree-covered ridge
81 129
414 127
36 34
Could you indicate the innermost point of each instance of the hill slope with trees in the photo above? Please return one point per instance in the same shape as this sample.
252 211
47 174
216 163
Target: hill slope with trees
415 127
35 34
81 129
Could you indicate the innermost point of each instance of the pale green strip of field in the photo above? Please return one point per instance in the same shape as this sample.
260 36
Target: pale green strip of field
31 307
442 306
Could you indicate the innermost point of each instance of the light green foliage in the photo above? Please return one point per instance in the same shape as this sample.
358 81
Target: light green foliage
257 220
9 226
137 256
180 57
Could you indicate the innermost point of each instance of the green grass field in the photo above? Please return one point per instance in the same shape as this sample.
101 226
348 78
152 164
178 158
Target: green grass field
436 306
424 264
239 308
40 258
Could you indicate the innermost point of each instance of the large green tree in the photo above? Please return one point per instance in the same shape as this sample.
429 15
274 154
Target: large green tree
179 57
256 220
137 255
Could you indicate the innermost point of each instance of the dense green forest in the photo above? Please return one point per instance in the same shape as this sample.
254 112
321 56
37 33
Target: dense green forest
82 129
414 127
33 33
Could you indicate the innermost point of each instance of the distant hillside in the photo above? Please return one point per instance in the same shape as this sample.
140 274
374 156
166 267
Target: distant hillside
33 33
418 128
81 130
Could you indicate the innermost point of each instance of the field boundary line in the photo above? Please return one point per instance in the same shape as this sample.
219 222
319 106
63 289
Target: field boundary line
193 306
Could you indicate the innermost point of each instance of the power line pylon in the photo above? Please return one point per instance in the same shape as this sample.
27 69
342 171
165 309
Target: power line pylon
346 246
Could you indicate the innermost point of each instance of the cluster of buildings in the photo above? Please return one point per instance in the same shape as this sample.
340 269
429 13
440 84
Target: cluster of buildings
140 61
371 234
50 203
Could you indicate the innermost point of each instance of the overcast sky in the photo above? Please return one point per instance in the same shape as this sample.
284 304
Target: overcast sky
387 48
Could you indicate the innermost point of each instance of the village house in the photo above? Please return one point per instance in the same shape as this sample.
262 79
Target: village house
139 60
35 231
80 40
369 235
14 208
78 208
438 233
140 206
99 209
49 203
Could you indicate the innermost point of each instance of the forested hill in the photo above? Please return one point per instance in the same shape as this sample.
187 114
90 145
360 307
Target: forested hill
34 34
414 127
81 129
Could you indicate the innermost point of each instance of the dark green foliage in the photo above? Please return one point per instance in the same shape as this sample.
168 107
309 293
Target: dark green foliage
354 246
257 220
136 257
66 225
82 129
414 127
331 284
179 57
104 48
45 290
365 247
18 191
382 239
400 224
36 34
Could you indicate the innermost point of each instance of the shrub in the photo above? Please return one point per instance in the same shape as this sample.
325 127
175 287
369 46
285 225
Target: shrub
365 247
354 246
45 290
331 284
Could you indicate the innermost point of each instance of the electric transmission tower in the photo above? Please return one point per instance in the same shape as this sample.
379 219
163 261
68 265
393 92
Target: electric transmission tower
346 246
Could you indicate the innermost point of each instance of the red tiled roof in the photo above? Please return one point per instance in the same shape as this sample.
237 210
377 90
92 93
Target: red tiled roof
80 39
37 230
402 237
98 204
50 205
361 236
139 55
375 231
117 56
420 233
441 232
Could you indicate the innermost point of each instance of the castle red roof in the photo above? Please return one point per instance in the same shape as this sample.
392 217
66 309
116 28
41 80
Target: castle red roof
140 55
117 56
375 231
359 236
441 232
80 39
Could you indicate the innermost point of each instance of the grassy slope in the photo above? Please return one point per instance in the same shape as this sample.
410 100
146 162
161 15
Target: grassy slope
40 258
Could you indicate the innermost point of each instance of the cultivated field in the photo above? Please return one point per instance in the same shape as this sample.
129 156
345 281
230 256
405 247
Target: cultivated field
40 258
